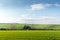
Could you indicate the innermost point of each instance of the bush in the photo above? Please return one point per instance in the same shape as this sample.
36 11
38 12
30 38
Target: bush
26 27
2 28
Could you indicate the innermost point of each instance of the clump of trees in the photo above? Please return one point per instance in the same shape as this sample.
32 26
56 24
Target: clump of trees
3 28
26 27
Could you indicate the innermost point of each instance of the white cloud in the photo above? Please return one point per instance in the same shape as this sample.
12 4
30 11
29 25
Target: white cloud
31 20
9 19
26 18
37 6
44 20
56 4
42 6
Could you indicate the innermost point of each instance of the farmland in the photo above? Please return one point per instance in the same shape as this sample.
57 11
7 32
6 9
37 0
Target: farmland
33 26
29 34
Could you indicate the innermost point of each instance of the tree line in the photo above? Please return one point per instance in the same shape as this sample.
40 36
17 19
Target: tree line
26 27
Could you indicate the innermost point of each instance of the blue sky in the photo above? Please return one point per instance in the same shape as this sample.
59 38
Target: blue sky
30 11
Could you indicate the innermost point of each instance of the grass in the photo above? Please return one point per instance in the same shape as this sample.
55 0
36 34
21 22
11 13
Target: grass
36 26
29 34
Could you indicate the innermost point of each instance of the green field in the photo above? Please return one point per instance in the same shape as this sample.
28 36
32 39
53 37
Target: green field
29 34
34 26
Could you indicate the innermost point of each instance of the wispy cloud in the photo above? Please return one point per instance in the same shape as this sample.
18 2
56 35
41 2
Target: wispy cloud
56 4
42 6
31 20
43 20
37 6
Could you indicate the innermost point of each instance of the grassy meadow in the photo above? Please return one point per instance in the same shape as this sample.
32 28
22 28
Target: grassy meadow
29 34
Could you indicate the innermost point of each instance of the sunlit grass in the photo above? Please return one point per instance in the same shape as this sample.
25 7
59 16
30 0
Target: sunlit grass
30 35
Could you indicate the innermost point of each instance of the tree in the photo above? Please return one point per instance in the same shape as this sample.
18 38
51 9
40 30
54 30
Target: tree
2 28
26 27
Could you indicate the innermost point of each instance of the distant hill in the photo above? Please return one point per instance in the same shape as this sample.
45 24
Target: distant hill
33 26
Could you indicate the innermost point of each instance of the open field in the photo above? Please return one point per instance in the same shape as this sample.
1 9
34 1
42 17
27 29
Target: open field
34 26
29 34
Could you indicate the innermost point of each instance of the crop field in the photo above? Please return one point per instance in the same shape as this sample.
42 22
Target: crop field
29 34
